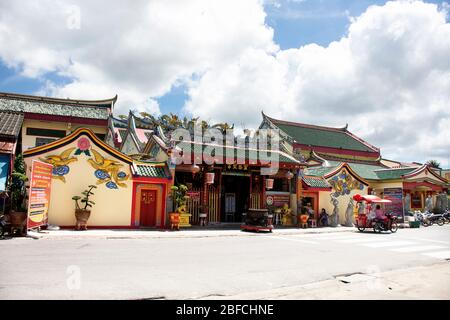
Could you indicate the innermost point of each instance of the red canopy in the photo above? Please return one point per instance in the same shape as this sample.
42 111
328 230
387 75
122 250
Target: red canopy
370 198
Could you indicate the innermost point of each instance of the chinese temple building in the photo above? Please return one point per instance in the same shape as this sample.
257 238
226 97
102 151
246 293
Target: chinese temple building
48 119
341 164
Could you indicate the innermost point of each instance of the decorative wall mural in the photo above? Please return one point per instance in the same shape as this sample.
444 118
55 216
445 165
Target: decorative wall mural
83 147
107 171
343 183
60 163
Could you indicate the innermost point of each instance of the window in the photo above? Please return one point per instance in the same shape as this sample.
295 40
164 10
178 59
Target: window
281 185
42 141
46 132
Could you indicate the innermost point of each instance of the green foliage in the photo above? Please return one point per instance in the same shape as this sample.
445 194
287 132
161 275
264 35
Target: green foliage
85 198
434 164
16 185
179 194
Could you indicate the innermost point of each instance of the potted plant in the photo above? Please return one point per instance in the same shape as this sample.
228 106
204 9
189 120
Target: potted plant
180 200
17 192
82 213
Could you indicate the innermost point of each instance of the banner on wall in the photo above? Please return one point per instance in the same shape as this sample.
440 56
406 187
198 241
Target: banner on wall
277 199
396 206
39 194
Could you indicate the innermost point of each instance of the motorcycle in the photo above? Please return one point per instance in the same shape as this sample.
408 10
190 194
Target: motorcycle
422 218
435 218
5 226
388 224
364 222
446 216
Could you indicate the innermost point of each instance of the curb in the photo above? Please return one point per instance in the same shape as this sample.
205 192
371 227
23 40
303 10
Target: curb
192 234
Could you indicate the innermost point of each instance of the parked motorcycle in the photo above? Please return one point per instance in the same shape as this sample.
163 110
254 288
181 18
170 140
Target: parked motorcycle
422 218
446 216
5 226
436 218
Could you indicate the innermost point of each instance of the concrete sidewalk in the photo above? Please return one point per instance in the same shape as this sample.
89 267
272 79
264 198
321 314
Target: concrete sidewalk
424 282
184 233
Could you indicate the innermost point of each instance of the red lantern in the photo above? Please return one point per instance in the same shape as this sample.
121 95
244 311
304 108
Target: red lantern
357 197
210 177
269 183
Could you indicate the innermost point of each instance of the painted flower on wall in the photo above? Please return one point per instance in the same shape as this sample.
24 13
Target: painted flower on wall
83 146
108 171
60 163
344 183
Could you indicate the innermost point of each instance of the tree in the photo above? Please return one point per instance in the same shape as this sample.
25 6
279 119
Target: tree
434 164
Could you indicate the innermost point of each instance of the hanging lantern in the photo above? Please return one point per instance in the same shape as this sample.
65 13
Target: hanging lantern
289 175
195 169
210 177
269 184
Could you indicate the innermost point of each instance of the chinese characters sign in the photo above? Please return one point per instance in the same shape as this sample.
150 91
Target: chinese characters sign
39 196
396 206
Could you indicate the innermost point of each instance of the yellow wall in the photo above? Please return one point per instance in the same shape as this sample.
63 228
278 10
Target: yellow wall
30 141
113 206
324 202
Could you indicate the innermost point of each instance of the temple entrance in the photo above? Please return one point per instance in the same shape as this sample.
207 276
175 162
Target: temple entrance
235 197
148 208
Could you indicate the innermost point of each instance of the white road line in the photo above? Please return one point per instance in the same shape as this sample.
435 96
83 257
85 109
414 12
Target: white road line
387 244
417 248
335 238
359 240
438 254
424 239
292 239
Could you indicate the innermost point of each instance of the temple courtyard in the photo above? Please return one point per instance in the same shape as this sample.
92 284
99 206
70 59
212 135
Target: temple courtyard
338 263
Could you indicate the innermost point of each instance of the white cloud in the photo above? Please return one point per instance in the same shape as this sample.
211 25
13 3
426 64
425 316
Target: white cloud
137 49
389 77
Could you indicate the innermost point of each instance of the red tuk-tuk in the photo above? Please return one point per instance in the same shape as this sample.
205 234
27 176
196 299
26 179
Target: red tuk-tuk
364 222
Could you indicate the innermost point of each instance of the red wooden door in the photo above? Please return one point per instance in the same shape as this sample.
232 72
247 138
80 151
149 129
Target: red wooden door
148 208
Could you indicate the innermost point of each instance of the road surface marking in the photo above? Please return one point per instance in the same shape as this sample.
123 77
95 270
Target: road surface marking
438 254
292 239
417 248
358 240
387 244
424 239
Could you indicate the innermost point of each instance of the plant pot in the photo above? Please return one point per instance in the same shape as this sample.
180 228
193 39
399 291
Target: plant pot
82 218
184 220
18 222
174 218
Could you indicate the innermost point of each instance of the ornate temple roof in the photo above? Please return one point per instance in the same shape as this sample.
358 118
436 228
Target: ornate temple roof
91 109
306 134
151 170
10 124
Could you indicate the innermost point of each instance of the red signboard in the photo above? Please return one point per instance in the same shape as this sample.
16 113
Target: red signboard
396 206
193 195
39 195
277 200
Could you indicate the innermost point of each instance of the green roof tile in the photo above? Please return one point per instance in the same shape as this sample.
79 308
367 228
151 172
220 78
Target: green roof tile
323 137
68 110
151 171
316 182
393 173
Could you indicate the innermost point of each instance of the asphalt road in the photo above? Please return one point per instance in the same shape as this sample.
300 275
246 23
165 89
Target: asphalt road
174 268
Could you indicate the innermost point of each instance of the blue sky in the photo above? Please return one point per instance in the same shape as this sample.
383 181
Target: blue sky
295 23
237 58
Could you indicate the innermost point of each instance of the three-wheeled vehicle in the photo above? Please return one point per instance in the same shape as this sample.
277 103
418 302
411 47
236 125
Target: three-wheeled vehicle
257 220
364 222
